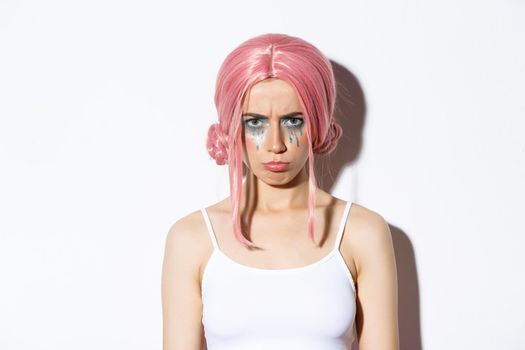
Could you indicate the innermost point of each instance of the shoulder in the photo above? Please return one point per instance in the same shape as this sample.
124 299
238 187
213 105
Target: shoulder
187 239
369 235
186 228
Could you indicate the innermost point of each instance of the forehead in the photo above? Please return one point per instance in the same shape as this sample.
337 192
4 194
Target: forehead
271 95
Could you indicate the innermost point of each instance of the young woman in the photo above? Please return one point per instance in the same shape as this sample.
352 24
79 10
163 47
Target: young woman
280 264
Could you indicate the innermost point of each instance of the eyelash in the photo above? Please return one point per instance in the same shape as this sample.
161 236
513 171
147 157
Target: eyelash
246 122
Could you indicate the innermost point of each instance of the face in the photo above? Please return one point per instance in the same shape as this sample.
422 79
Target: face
274 130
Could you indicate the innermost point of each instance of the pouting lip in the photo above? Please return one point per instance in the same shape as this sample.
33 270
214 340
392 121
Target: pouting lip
276 163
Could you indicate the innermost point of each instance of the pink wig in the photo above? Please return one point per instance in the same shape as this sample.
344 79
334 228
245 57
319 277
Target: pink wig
308 71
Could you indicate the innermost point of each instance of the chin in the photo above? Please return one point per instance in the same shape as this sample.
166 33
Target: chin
276 178
276 182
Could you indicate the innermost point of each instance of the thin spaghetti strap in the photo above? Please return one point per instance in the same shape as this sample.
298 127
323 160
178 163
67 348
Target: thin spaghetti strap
210 229
342 225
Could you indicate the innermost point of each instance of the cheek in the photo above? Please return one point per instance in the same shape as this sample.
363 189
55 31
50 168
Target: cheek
297 138
255 138
300 144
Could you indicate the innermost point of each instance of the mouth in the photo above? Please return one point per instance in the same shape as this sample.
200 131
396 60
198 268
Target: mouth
276 166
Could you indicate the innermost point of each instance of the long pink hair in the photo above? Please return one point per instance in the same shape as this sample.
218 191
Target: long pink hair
308 71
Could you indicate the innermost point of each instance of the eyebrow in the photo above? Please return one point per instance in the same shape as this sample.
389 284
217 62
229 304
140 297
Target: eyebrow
289 115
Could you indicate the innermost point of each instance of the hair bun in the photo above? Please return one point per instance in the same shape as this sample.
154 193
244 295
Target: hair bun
332 137
217 144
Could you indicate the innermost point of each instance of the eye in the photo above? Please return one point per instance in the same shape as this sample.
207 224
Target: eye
253 123
294 122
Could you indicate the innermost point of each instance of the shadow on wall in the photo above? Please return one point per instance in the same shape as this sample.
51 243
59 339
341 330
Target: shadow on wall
350 112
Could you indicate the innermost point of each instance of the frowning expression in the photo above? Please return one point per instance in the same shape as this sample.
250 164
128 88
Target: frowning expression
274 130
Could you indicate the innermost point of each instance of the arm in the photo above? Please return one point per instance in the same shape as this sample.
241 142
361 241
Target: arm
181 300
377 323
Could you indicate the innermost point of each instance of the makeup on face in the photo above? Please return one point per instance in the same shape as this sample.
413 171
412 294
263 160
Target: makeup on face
257 126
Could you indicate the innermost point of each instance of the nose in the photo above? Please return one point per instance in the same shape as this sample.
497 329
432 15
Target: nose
275 139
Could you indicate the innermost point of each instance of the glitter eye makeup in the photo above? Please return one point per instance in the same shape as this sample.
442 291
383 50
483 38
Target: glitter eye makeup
257 128
256 131
255 123
297 122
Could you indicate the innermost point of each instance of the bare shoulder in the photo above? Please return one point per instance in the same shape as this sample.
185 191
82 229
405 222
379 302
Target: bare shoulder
376 284
187 238
180 288
187 230
369 235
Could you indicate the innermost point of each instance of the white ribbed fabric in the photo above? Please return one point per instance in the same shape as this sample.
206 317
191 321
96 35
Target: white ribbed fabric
306 308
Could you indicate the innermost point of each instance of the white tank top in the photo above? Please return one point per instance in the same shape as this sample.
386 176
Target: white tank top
305 308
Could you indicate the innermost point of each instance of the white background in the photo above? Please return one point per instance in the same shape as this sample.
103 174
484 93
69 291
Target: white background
104 109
